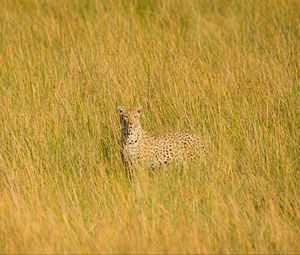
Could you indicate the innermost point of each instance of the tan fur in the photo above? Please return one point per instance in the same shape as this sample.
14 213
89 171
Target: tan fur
138 146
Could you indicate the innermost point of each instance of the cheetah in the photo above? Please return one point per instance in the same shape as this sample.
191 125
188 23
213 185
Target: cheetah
154 151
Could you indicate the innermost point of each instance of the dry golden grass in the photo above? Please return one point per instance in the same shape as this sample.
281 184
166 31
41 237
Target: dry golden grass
228 70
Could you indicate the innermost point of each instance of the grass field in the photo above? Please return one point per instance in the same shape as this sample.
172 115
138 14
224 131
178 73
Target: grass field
227 70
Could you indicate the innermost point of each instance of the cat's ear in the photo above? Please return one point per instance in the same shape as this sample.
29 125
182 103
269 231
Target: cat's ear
121 110
140 109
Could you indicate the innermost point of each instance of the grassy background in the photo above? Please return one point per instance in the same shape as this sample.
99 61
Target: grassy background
228 70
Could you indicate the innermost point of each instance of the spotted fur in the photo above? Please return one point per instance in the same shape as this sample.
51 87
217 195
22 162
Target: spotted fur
138 146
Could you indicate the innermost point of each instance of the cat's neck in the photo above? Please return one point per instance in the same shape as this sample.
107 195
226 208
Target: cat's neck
133 135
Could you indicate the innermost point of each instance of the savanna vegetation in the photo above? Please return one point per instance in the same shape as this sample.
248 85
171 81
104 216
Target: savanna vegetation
227 70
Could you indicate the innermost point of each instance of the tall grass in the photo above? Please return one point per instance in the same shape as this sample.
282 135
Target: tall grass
228 70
